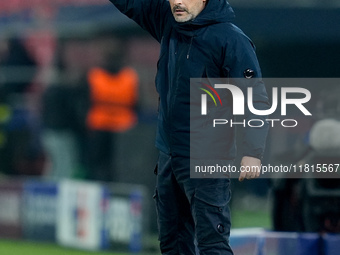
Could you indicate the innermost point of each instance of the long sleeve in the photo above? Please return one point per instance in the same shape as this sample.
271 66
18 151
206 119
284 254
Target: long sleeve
151 15
241 65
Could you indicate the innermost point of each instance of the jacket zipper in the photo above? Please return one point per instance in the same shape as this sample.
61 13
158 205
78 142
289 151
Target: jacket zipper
188 54
191 40
172 99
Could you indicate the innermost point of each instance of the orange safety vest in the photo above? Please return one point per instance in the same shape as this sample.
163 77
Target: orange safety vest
113 97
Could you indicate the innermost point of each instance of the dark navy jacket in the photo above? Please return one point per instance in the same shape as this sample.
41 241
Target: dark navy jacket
208 46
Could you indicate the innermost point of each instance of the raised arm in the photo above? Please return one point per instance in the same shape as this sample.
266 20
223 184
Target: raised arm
149 14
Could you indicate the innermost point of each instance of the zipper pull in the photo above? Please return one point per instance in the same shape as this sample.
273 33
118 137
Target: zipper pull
188 55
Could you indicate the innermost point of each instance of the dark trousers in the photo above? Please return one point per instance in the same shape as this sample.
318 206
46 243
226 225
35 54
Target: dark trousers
191 210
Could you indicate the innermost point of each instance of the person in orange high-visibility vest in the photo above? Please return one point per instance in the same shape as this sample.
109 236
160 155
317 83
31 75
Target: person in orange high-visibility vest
113 97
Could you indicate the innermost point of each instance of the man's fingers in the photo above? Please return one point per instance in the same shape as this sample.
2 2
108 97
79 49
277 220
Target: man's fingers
254 174
249 175
251 168
242 176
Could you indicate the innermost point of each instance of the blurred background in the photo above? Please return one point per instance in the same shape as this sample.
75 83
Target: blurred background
60 60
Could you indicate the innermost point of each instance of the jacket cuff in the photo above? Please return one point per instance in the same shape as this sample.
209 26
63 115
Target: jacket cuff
257 153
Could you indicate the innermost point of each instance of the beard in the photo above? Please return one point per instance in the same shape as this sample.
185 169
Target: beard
185 14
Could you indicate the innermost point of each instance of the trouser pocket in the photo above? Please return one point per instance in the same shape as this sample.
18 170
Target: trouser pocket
211 213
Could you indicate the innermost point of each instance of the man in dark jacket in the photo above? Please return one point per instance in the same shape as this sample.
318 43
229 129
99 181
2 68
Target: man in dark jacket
197 40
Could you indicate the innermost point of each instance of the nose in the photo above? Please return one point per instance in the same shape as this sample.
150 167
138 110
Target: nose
178 2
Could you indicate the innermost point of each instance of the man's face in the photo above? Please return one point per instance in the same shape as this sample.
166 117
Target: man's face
185 10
